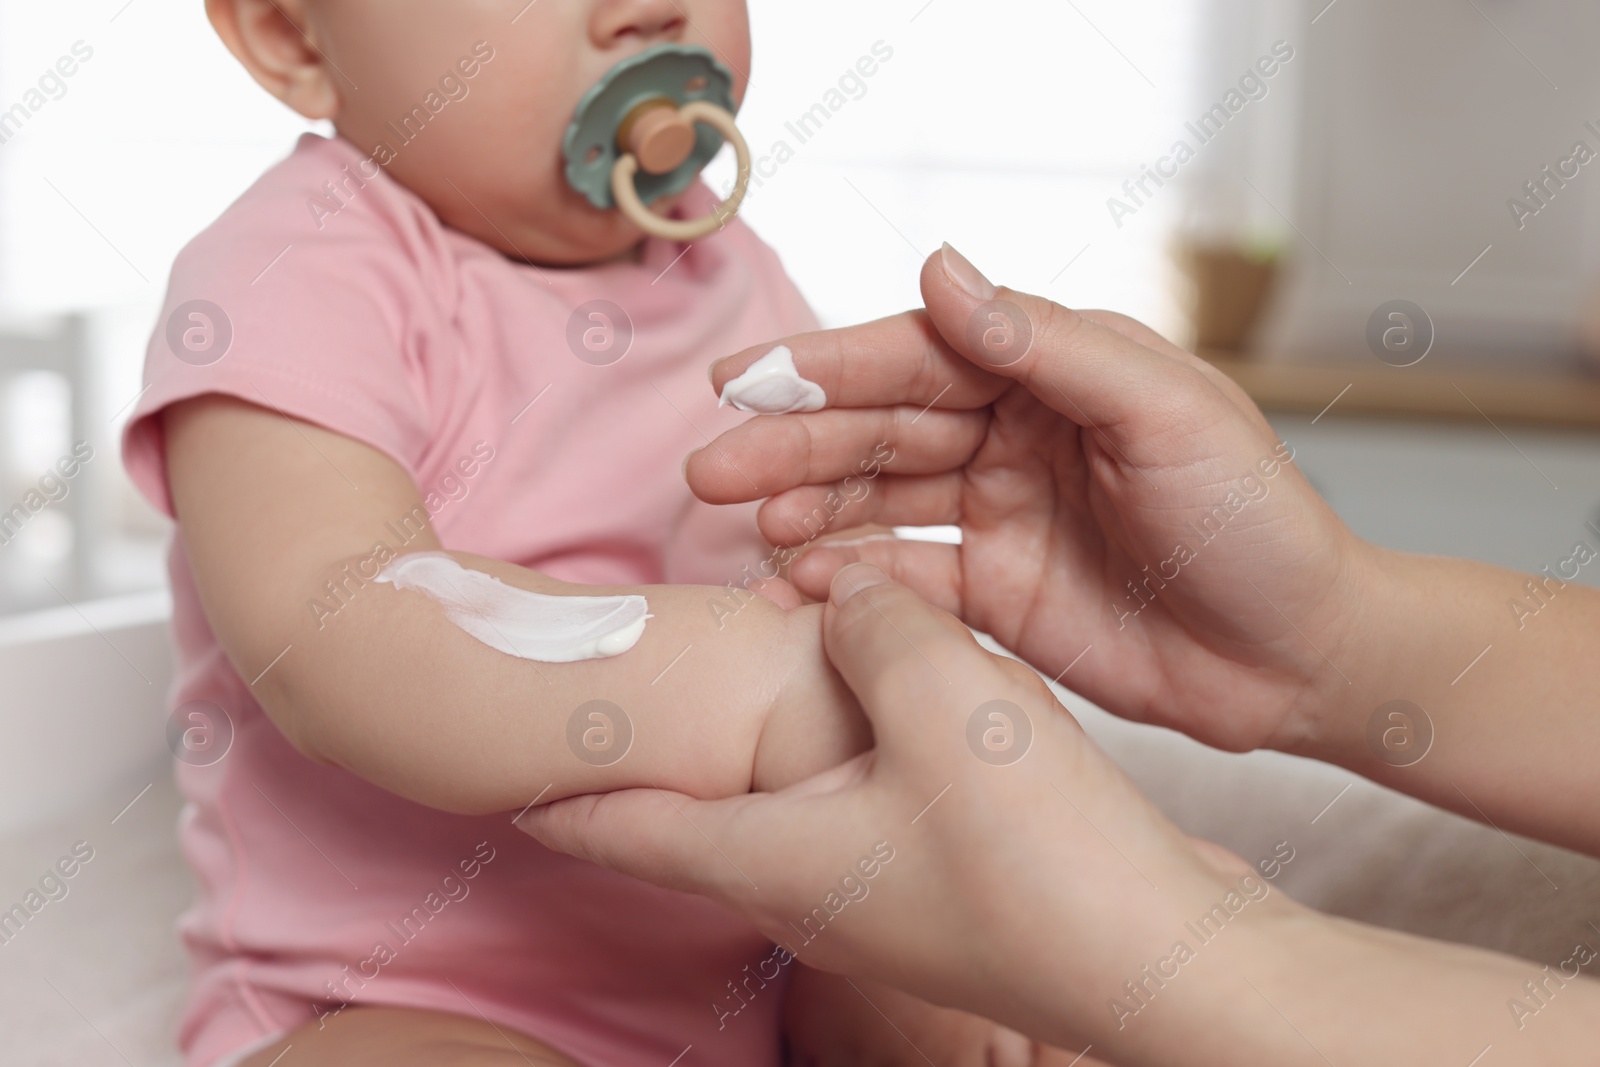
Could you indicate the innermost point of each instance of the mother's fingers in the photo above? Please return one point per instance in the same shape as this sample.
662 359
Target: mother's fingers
798 516
768 455
1135 330
897 360
917 670
928 568
1097 375
663 838
758 853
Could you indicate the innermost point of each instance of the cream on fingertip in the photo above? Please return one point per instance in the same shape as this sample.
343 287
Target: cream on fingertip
773 386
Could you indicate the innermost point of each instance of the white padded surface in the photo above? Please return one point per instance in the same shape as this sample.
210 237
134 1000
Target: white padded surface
96 979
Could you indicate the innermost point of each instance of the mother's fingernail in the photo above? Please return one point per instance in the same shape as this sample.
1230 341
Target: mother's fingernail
959 269
853 579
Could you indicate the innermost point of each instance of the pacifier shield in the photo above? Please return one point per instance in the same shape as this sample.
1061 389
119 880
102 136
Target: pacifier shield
677 73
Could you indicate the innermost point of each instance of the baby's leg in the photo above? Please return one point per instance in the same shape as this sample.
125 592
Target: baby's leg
830 1024
406 1037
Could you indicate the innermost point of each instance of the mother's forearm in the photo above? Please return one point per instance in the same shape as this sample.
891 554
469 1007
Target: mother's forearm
1477 689
1301 988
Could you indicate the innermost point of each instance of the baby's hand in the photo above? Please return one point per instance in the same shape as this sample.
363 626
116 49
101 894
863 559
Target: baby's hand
814 721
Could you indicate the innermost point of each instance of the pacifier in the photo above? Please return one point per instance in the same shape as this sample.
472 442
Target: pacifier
647 128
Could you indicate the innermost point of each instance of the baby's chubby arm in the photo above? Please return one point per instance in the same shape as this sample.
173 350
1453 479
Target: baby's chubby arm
387 687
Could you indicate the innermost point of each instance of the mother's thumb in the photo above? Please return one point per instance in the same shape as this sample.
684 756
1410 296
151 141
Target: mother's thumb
649 834
1090 373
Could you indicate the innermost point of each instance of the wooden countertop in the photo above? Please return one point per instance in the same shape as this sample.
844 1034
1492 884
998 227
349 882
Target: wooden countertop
1411 392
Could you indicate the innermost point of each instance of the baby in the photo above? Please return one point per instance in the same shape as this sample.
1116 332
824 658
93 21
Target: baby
418 572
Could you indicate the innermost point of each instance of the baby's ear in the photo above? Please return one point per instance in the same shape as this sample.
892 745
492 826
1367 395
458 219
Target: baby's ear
276 42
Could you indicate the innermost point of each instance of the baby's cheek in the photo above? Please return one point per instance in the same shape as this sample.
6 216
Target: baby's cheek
724 26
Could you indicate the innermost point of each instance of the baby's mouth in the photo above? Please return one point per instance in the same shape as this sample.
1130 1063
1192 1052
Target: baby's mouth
645 130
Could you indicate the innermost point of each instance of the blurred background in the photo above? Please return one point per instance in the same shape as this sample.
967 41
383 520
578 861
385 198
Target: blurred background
1262 178
1378 217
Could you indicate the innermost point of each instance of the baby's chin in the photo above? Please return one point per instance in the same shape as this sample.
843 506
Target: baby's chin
576 239
558 231
585 245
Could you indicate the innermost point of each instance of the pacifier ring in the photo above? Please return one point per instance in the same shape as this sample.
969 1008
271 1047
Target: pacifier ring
646 129
651 134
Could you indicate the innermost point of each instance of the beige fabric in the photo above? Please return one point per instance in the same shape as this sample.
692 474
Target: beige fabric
1374 855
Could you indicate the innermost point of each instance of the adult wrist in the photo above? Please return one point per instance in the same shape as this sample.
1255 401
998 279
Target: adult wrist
1215 1011
1365 655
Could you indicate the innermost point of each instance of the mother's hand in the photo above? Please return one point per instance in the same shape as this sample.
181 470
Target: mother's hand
1119 500
985 855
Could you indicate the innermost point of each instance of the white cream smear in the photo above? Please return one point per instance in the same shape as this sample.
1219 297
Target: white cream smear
537 626
772 386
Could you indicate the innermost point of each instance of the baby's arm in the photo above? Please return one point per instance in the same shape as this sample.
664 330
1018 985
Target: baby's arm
271 509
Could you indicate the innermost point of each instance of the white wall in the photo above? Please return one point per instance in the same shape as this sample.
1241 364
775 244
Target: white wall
1001 127
1421 120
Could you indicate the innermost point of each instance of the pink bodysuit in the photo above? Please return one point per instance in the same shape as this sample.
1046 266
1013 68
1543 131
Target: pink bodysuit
352 307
